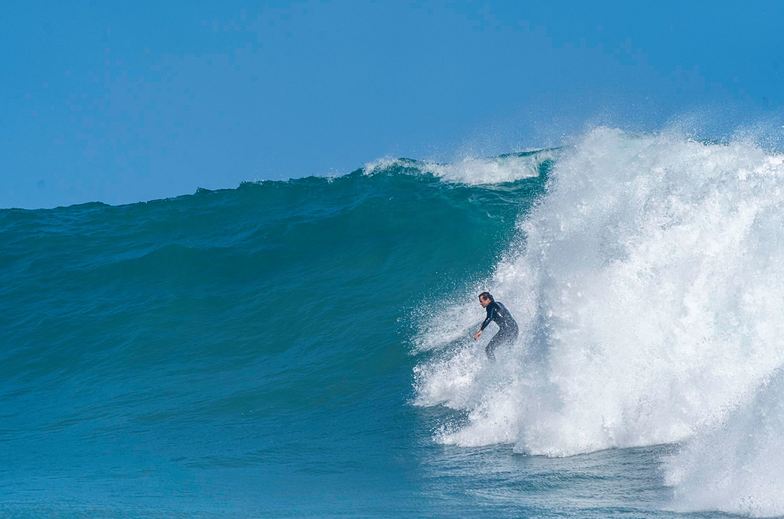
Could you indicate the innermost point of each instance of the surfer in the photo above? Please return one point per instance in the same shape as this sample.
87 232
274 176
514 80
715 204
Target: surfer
507 326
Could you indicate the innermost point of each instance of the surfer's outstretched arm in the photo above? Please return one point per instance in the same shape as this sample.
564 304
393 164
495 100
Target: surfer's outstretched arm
490 315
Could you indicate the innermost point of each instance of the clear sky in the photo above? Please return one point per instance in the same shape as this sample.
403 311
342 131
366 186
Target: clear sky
119 101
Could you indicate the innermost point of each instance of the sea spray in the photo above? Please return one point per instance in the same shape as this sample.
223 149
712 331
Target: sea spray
648 293
737 466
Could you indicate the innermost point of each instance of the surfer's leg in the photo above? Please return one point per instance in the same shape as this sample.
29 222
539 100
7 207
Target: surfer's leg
493 344
502 337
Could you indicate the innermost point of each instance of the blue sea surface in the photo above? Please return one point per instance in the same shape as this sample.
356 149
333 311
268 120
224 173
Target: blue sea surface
249 353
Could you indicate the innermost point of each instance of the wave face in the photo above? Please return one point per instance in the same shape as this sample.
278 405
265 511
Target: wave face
648 290
231 352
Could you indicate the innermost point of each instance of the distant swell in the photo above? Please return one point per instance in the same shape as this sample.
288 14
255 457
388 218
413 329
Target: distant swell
648 288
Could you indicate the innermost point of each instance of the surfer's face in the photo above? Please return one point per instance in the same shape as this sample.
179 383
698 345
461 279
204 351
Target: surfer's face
484 301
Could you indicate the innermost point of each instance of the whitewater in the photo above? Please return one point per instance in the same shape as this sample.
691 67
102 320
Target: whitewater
649 284
303 348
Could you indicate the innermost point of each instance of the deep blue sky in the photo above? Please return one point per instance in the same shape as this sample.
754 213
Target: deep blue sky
133 100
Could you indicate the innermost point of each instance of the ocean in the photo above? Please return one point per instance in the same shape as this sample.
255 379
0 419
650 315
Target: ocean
303 348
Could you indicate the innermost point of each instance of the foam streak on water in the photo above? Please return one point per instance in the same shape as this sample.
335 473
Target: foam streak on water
649 293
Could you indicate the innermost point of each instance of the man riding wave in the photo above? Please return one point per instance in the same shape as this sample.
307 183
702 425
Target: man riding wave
497 312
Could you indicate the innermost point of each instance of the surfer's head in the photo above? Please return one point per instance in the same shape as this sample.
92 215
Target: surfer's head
485 298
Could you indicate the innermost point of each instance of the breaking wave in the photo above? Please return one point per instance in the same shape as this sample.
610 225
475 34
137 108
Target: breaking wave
647 282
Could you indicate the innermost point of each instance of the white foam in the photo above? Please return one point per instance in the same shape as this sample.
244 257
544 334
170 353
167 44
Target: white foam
736 467
649 298
473 170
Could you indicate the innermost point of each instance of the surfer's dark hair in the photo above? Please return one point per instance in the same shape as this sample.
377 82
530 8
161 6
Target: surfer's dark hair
486 295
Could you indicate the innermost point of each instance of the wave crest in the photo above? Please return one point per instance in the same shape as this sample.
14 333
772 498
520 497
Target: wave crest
472 170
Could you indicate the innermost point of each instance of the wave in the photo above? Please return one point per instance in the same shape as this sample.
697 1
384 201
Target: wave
202 272
645 272
647 284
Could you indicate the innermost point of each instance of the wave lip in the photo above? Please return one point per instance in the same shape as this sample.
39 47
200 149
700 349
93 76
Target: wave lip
473 170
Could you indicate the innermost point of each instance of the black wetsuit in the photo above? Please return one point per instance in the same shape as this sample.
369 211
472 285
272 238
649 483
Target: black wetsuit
507 326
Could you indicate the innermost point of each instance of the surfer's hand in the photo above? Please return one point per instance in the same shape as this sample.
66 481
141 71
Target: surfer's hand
477 335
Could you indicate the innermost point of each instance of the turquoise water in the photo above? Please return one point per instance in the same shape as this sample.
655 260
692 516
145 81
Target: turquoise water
275 350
